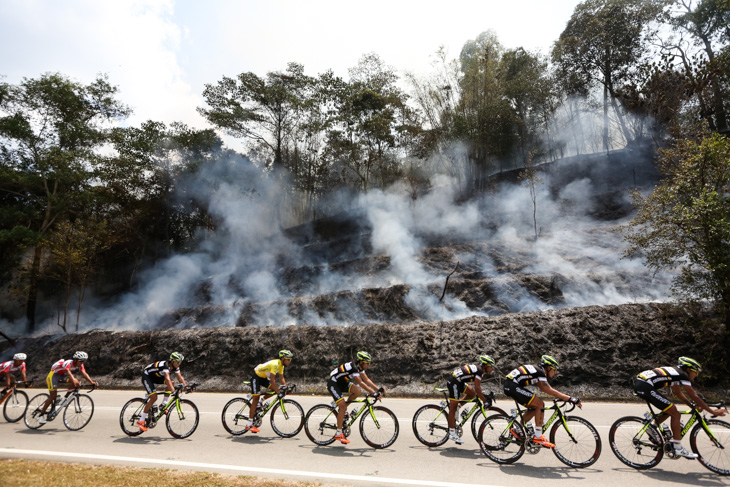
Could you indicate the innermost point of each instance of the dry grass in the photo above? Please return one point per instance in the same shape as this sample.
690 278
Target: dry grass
27 473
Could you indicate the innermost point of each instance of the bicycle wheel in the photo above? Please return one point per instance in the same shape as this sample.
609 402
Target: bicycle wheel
78 412
635 443
431 425
321 424
714 453
129 416
501 438
15 406
577 443
287 418
379 427
235 415
478 417
34 409
182 419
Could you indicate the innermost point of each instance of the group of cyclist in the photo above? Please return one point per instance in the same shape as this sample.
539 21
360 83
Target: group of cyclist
346 382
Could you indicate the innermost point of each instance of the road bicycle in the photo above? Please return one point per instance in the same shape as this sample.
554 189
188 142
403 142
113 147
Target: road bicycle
77 409
287 415
378 424
641 443
504 438
431 425
14 402
181 415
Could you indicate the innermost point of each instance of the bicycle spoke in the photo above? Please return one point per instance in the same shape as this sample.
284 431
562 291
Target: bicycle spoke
636 443
235 415
78 412
379 427
501 439
182 418
430 425
577 442
15 406
287 418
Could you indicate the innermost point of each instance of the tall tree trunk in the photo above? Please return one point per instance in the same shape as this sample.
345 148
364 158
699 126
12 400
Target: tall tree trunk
30 304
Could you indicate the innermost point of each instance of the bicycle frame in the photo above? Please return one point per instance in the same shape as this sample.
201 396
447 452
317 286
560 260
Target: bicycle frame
261 412
462 418
11 390
696 415
558 413
174 401
70 395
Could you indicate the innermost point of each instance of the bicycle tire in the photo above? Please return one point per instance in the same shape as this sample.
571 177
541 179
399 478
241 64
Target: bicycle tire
502 439
131 412
15 406
639 451
476 416
713 456
379 427
431 425
287 420
34 408
235 415
579 447
182 419
320 425
78 412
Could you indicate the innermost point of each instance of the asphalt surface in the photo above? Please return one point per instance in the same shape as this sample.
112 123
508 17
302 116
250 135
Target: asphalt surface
406 462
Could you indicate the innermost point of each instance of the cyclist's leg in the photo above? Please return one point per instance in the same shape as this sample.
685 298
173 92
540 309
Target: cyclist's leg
455 389
257 383
52 381
335 389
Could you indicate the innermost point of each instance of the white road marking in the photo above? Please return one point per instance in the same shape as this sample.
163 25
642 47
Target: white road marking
237 468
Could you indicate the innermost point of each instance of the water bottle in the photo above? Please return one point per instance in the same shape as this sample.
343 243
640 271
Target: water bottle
647 415
666 431
155 410
354 412
443 404
346 418
463 414
513 412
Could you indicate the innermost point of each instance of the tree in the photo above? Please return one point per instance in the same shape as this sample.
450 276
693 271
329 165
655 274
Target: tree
685 222
50 131
262 111
602 44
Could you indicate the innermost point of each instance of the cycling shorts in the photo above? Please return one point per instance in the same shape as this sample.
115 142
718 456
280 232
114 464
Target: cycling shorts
338 388
258 383
150 382
53 380
456 389
518 393
647 392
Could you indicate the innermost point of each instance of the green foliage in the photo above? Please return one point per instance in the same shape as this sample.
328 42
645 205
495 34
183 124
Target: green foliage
685 222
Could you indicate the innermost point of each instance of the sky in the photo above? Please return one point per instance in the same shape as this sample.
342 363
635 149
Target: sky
161 53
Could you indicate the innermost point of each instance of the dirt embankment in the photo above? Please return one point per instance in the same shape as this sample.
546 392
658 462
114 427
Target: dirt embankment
600 349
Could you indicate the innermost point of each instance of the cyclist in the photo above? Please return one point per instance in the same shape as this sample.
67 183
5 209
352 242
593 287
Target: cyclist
63 372
159 373
11 367
265 376
681 377
458 385
341 382
524 375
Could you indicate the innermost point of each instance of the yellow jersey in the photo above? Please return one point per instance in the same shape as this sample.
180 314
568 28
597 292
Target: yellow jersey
271 367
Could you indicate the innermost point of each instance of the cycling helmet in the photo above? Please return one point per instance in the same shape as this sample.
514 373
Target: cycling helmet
548 361
20 356
285 354
81 356
689 364
177 357
487 360
364 356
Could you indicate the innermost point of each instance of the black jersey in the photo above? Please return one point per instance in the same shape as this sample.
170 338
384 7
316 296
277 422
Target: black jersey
346 372
526 375
467 373
158 369
665 376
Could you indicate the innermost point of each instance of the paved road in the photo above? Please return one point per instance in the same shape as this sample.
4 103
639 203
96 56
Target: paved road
407 462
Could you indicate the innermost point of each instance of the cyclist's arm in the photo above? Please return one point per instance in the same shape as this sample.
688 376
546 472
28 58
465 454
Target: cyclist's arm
478 390
23 376
86 376
180 378
366 383
545 387
73 380
280 379
697 400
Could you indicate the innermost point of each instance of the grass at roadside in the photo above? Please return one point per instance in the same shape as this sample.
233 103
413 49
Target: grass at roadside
28 473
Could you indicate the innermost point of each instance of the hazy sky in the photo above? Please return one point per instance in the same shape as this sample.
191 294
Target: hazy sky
160 53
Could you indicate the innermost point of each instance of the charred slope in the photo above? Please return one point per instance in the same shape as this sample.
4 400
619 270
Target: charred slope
600 349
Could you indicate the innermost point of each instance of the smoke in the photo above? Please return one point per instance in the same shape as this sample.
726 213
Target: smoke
252 267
